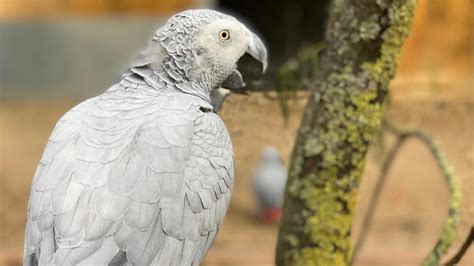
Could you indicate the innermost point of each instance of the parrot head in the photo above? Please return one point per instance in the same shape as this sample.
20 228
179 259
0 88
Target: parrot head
199 50
220 46
271 155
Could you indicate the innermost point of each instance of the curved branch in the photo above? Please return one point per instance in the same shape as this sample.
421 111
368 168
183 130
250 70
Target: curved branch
450 227
374 199
465 246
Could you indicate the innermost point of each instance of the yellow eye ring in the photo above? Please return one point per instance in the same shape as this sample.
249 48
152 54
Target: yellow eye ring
224 35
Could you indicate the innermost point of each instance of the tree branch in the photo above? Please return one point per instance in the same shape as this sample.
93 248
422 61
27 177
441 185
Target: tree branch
464 247
374 199
343 113
450 227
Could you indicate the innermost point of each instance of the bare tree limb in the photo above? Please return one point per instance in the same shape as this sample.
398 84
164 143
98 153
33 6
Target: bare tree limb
450 227
464 247
374 199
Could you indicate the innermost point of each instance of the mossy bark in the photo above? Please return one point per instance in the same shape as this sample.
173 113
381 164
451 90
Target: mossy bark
363 39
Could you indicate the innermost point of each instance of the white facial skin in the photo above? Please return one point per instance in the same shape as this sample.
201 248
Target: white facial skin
219 46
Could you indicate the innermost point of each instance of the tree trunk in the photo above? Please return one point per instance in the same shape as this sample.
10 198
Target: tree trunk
363 39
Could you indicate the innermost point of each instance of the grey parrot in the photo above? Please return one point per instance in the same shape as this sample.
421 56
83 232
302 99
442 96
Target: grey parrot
143 173
269 184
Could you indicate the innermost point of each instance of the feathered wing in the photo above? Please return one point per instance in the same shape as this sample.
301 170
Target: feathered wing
130 179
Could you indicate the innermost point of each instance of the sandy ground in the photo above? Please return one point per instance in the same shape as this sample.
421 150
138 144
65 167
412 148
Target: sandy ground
411 210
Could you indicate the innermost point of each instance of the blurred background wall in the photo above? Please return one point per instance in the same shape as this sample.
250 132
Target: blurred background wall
79 47
84 45
75 48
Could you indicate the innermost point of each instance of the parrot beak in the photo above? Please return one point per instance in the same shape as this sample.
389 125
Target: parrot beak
257 51
251 65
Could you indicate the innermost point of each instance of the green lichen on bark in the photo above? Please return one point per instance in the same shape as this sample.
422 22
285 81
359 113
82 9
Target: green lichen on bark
449 231
343 113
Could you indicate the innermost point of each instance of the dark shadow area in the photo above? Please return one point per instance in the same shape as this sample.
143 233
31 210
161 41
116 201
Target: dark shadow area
284 25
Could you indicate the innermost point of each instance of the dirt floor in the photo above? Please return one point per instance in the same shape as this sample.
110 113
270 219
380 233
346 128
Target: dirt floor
411 210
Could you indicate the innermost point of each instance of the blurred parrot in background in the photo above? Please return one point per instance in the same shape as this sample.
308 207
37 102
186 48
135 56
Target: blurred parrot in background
143 173
269 184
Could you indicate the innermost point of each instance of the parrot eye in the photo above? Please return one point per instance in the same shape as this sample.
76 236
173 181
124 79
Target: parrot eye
224 35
